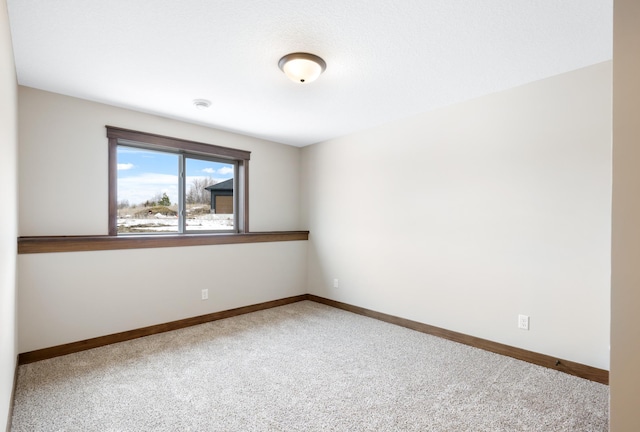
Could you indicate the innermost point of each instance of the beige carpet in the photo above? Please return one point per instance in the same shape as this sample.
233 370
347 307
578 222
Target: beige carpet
301 367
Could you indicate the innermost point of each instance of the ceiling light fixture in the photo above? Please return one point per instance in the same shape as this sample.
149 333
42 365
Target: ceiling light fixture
201 104
302 67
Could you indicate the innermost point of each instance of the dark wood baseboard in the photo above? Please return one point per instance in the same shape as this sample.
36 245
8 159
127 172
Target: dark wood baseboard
566 366
70 348
572 368
13 397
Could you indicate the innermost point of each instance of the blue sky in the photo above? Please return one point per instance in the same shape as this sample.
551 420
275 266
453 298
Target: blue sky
142 174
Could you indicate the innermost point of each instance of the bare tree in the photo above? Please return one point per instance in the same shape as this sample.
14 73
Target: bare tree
197 193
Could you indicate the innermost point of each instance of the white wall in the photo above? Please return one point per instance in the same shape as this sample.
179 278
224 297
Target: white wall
465 217
9 218
65 297
625 253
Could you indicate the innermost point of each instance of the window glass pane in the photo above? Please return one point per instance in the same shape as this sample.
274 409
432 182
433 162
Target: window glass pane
209 197
147 191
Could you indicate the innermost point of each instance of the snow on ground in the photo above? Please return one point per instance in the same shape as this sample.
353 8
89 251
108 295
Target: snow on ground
161 223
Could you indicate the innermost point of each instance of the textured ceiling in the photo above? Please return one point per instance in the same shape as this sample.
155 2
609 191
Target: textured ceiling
385 59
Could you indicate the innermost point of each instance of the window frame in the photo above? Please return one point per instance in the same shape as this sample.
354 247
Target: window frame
126 137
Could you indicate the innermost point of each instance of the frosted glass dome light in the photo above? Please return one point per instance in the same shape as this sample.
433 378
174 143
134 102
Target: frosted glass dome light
302 67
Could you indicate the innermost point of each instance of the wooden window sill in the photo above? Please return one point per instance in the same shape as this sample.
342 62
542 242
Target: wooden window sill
29 245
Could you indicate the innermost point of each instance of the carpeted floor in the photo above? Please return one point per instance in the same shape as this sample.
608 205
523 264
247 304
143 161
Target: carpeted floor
301 367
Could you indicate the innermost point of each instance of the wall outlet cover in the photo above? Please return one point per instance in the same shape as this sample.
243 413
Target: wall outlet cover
523 322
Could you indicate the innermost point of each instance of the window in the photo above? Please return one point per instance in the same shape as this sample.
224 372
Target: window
159 185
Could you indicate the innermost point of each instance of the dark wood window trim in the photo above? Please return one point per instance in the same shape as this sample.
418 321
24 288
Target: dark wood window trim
241 157
30 245
49 244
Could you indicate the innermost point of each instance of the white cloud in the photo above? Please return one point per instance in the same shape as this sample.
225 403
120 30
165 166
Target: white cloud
138 189
224 171
124 166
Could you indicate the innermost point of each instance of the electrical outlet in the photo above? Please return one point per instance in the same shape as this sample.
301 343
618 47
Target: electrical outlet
336 284
523 322
205 294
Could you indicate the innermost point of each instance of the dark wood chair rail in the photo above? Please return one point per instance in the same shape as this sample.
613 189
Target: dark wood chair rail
29 245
